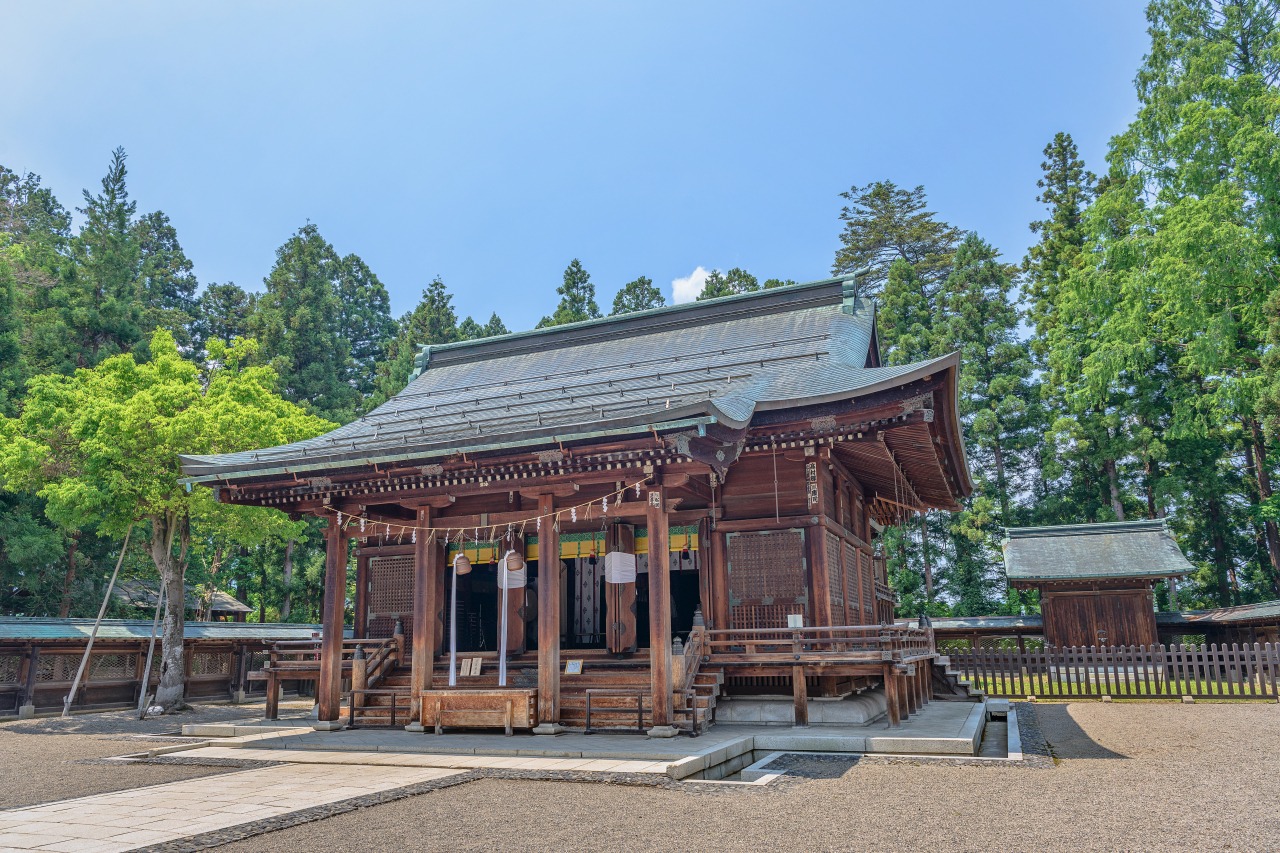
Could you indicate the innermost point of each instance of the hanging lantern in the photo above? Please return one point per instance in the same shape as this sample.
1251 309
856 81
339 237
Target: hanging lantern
592 559
685 556
461 565
513 561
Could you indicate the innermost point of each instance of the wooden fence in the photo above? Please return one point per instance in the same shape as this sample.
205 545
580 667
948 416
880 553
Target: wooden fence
1140 672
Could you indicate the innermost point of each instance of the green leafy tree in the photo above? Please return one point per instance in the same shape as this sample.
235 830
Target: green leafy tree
577 298
101 449
299 324
638 295
906 315
882 223
736 280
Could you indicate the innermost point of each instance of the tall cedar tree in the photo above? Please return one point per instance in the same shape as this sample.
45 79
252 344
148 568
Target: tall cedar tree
101 304
299 323
166 281
736 280
470 330
223 313
577 298
638 295
364 321
432 321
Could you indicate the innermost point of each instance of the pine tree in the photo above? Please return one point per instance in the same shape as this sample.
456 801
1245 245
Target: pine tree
299 324
883 223
638 295
577 298
470 330
905 316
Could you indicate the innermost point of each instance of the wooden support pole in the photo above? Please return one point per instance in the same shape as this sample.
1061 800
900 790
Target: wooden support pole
426 565
548 620
334 618
891 690
660 614
719 617
800 691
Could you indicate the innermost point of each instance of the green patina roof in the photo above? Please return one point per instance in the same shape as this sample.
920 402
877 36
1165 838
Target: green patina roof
680 368
1127 549
47 629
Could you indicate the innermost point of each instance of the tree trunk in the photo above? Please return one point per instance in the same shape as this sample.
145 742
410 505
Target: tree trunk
1218 544
1113 484
924 551
1001 484
286 576
172 570
1259 446
69 579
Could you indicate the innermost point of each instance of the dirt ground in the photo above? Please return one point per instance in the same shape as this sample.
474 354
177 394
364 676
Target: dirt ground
1128 777
52 758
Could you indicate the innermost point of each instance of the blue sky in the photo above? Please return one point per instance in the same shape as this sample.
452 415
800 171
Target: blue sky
490 143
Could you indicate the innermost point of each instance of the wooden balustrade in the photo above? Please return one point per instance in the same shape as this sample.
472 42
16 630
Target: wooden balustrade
300 660
897 643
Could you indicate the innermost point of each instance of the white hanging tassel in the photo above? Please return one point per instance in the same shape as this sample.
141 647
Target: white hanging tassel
573 514
604 503
453 627
637 489
539 524
413 537
339 518
362 524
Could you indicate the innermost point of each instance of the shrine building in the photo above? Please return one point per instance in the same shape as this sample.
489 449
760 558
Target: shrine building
626 517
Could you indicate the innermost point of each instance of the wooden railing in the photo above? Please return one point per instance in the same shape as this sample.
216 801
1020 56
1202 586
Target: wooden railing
898 643
1137 672
300 660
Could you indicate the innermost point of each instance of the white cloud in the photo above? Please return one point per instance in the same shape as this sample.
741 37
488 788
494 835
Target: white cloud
687 289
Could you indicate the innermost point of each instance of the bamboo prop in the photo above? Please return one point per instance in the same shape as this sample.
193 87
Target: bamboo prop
97 623
151 651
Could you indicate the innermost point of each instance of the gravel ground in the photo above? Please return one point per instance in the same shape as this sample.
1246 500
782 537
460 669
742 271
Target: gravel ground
1128 776
52 758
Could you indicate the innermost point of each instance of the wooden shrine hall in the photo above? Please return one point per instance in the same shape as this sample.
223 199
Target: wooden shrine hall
613 522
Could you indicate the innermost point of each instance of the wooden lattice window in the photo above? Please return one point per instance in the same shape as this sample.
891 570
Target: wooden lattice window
112 667
391 595
835 578
56 667
767 577
211 663
9 666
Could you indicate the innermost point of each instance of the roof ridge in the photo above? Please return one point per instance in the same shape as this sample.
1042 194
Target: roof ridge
698 312
1086 529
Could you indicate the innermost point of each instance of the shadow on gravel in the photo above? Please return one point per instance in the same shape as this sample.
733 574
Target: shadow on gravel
1065 737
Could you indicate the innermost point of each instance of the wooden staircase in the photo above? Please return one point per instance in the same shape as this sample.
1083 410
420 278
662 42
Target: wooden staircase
620 680
949 685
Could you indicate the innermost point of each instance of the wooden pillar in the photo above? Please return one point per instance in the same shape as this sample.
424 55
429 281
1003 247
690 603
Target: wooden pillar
361 629
620 598
891 690
660 613
818 480
719 564
334 618
515 597
426 566
913 693
705 594
548 619
800 691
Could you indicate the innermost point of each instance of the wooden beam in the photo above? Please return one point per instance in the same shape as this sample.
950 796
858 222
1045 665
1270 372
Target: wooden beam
561 490
333 618
660 614
695 486
755 524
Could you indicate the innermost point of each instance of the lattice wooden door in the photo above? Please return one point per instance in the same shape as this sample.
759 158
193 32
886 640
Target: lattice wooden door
391 596
767 578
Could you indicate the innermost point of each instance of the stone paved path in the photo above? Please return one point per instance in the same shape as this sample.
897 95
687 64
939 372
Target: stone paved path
128 819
